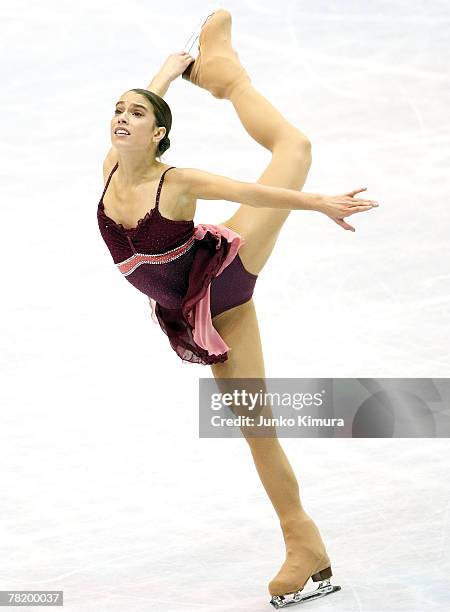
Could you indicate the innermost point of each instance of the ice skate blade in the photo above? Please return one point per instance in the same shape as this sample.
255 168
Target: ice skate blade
283 601
213 8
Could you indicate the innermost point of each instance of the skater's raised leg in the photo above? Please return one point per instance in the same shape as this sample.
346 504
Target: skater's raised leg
288 168
217 67
218 70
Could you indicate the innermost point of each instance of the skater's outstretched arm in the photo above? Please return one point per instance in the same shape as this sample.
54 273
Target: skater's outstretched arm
198 184
174 65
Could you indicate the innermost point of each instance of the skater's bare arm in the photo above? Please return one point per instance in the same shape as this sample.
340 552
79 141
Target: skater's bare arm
208 186
174 65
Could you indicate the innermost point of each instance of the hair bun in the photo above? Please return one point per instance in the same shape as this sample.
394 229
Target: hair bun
164 144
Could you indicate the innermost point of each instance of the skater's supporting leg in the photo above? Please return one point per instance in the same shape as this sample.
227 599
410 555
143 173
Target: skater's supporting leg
218 70
305 551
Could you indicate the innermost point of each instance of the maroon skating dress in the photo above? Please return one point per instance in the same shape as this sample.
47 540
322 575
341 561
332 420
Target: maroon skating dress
189 274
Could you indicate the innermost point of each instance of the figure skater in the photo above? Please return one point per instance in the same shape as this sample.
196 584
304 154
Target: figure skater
200 279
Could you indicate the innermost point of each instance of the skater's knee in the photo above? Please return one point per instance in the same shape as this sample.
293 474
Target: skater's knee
261 441
296 144
303 153
302 144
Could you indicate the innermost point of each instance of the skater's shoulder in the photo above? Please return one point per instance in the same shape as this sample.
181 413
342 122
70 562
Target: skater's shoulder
108 163
204 185
182 178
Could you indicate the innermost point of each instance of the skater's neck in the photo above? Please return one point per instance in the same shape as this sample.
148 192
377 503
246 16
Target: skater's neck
135 169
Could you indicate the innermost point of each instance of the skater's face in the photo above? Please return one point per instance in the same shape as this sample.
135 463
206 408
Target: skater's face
135 114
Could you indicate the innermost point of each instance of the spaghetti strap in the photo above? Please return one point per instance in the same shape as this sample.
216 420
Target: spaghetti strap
109 179
158 193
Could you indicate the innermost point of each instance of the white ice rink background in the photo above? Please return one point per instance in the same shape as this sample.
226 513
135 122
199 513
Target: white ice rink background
107 492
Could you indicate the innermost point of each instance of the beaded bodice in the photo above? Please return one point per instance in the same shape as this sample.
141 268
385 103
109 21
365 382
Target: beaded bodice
156 255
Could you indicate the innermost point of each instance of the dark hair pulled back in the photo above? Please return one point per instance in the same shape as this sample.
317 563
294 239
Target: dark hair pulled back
163 117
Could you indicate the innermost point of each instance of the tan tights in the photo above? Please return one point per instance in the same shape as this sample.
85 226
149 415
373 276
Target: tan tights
218 70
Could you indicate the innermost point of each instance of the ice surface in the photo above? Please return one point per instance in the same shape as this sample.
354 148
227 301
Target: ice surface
107 492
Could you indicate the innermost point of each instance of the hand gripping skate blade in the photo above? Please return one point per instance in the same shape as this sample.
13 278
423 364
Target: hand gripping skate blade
196 32
283 601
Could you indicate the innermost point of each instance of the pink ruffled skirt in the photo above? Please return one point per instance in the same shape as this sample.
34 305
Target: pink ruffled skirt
189 328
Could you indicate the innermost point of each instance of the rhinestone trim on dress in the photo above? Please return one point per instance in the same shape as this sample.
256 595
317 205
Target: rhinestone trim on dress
129 265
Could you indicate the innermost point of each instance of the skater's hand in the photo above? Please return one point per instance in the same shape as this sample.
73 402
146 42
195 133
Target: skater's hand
176 64
339 206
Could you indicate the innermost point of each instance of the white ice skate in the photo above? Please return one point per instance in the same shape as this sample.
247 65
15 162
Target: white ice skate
292 599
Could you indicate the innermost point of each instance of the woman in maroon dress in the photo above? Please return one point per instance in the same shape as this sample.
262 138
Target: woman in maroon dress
200 279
